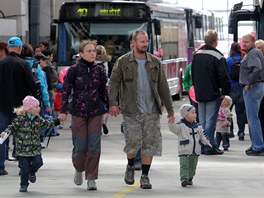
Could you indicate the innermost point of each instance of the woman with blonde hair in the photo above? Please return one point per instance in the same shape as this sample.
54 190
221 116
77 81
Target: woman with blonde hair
103 59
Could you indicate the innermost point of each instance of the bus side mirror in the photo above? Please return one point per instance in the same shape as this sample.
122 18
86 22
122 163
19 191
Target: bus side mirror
198 21
157 27
53 32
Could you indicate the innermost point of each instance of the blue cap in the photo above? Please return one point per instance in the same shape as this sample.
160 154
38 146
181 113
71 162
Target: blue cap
14 42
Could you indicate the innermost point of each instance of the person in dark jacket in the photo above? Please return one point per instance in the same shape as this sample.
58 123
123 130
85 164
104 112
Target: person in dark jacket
236 93
86 82
16 82
211 82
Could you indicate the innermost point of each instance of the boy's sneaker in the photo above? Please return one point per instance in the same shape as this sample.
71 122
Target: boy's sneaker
91 185
129 175
78 179
190 182
144 182
32 178
184 183
23 189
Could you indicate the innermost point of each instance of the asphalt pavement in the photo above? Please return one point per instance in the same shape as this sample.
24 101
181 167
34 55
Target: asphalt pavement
232 174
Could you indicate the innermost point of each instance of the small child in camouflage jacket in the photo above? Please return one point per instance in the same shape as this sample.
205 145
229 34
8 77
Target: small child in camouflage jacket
25 129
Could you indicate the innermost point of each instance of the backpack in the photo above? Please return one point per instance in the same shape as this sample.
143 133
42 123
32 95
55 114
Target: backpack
235 69
54 76
35 75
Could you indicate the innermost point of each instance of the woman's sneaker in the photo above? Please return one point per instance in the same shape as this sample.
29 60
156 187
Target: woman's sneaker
78 180
91 185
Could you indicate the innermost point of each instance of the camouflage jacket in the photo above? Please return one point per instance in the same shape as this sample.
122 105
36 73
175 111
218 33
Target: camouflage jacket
26 133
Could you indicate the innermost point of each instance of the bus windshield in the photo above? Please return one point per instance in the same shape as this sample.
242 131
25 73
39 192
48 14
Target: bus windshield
114 39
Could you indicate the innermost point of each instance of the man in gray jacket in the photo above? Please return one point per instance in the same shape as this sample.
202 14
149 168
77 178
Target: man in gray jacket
139 85
251 78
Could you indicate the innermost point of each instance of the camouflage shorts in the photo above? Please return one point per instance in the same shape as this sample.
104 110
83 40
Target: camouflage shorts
142 131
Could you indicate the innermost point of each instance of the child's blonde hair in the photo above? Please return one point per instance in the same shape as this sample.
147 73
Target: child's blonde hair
230 102
19 110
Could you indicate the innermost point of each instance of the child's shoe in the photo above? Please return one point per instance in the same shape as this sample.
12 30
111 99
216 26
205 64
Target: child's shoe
190 182
184 183
32 178
23 189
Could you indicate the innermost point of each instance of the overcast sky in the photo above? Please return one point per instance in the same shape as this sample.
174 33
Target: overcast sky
211 4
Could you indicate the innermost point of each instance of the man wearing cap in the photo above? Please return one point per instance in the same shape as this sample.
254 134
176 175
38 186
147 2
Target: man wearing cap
16 82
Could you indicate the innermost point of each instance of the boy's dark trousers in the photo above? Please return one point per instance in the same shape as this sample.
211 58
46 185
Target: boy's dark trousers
222 137
28 166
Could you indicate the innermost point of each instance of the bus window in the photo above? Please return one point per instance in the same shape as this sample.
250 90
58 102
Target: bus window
72 33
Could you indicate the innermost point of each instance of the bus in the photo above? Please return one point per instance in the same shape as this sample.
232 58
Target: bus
174 32
244 20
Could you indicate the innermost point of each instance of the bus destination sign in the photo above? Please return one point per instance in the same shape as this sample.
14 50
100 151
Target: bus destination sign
104 11
84 12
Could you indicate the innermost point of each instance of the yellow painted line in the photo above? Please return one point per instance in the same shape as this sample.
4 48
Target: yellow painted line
127 190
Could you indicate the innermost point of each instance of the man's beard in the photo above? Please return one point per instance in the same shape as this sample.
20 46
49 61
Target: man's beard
141 51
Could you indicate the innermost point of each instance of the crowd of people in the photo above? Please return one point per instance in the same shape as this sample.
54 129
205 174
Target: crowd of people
137 87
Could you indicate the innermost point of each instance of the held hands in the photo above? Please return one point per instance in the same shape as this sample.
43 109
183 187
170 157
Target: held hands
171 118
62 117
114 111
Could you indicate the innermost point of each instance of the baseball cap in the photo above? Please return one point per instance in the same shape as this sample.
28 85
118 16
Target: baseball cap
14 42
